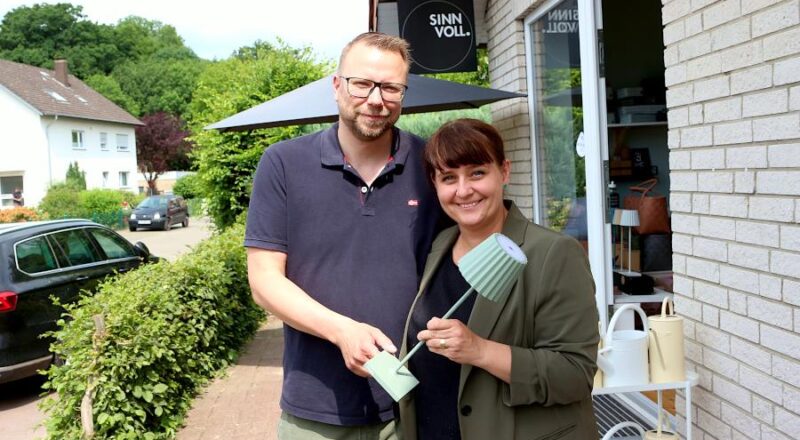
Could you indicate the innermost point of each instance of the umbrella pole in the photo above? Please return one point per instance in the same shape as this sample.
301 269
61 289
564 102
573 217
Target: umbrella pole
446 315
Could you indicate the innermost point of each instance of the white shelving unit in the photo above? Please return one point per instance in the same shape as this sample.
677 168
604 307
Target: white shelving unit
691 380
658 295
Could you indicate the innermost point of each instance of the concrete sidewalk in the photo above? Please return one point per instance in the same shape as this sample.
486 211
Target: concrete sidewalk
244 405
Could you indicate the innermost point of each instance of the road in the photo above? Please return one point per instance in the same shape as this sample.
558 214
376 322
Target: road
18 400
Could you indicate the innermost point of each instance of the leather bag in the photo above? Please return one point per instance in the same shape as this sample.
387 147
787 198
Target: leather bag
652 208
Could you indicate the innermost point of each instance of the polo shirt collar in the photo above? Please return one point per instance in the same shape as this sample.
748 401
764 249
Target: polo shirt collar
332 155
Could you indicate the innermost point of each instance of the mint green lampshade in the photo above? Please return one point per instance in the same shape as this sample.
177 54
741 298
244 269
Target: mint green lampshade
493 266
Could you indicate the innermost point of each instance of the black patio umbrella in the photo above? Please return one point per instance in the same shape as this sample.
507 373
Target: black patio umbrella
314 103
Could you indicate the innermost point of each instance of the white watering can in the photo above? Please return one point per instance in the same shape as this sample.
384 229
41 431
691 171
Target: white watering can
659 433
623 357
623 425
667 363
598 376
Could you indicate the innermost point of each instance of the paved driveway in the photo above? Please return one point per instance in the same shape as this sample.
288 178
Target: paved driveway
18 400
170 244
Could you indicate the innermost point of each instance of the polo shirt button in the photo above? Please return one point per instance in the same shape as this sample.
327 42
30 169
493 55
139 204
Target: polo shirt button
363 189
466 410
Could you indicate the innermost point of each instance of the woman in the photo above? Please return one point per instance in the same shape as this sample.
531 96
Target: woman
522 369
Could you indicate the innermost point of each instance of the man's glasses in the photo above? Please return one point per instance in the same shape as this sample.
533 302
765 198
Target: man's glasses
362 88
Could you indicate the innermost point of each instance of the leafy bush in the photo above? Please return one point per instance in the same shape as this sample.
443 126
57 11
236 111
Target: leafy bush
100 200
187 186
61 201
18 214
168 329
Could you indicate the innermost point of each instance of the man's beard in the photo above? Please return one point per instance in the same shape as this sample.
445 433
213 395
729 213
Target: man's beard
372 131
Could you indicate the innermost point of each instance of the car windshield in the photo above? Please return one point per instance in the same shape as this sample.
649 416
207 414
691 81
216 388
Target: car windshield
153 202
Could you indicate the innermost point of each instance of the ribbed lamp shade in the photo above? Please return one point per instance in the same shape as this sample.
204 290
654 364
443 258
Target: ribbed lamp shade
625 217
492 267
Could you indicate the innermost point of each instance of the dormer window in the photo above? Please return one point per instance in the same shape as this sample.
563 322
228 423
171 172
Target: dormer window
56 96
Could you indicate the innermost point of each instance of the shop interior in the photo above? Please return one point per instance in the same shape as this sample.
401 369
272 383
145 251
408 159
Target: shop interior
633 54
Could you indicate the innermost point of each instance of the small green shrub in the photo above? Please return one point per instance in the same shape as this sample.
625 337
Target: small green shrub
61 201
100 200
187 186
169 327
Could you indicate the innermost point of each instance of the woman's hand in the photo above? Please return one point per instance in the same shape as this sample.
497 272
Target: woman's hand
453 340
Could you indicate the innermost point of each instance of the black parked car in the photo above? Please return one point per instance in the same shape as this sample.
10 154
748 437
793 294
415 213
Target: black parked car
51 258
160 212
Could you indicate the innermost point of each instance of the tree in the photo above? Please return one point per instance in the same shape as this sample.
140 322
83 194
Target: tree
75 177
225 161
40 33
160 85
109 87
160 140
140 38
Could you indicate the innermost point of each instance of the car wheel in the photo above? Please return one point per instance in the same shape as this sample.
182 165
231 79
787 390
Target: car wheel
166 224
132 228
185 222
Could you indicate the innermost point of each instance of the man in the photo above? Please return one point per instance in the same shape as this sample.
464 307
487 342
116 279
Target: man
17 197
339 225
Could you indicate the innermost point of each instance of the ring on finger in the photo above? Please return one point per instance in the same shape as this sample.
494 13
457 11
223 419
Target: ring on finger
442 343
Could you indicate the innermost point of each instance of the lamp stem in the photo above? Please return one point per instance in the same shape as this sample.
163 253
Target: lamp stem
630 269
446 315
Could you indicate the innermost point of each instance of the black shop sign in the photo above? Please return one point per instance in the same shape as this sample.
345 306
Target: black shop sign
441 34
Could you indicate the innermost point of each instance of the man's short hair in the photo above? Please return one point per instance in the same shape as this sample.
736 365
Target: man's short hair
389 43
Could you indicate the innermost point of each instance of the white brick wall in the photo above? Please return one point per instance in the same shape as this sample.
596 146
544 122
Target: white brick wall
738 241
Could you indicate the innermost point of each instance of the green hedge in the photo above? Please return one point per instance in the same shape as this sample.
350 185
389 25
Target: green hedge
169 328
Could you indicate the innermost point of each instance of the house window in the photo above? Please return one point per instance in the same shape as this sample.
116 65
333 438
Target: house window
77 139
8 185
123 179
105 179
122 142
103 141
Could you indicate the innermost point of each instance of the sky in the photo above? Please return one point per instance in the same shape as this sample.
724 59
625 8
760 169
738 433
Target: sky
215 29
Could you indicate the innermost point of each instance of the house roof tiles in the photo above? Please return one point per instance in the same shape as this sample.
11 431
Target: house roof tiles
40 89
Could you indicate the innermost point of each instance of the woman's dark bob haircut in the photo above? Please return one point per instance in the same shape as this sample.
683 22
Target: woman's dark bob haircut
463 142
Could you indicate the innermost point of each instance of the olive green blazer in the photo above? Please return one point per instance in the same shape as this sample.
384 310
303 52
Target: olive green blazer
550 322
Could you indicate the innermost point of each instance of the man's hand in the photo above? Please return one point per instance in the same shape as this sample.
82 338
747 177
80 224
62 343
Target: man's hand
277 294
359 343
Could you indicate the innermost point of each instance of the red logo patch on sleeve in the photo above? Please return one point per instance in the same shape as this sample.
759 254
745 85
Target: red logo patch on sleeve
413 202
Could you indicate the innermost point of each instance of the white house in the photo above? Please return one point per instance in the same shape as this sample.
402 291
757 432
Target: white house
49 119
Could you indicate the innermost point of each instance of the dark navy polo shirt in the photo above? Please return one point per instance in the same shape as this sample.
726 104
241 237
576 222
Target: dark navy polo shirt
356 249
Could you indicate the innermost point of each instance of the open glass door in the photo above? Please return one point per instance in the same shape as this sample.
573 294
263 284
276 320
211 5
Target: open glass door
568 144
